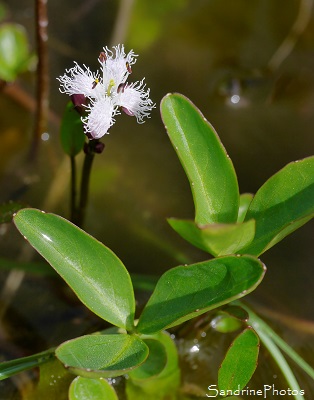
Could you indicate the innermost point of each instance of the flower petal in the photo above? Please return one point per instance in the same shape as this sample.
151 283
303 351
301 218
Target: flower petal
134 100
100 117
117 67
77 80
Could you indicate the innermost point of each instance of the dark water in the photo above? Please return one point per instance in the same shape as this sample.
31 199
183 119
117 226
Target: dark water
210 51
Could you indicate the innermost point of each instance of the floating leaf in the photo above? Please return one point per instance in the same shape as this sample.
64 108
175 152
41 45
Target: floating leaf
184 292
93 271
283 204
240 361
91 389
71 132
102 355
216 239
209 169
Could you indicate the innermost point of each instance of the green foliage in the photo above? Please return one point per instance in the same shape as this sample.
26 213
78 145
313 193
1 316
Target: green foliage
155 362
216 239
71 131
94 272
209 169
187 291
10 368
15 57
91 389
102 355
158 386
282 204
225 224
240 361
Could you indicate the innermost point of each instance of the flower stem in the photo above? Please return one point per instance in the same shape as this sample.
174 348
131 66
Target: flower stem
73 189
84 190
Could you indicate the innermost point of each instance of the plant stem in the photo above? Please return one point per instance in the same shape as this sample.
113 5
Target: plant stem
73 189
42 74
87 167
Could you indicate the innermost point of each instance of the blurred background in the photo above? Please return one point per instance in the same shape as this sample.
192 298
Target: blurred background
248 66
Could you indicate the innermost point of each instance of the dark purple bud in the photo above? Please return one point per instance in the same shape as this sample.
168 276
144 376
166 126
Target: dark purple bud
99 147
79 100
94 146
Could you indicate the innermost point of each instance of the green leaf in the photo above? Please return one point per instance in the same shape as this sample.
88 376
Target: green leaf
93 271
240 361
71 131
283 204
161 386
14 53
8 209
245 201
185 292
155 362
91 389
102 355
209 169
12 367
237 312
216 239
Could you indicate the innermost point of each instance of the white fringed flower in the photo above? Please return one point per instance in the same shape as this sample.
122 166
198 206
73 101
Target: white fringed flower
108 92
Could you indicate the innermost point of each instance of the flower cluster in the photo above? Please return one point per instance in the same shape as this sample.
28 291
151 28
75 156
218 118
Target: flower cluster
107 92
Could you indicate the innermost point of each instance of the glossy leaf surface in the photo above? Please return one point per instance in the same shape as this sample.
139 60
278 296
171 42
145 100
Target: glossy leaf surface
102 355
91 389
225 323
187 291
240 361
216 239
160 386
93 271
245 201
209 169
71 132
155 362
283 204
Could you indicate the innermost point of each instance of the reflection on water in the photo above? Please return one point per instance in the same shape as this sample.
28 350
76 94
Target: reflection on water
221 55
